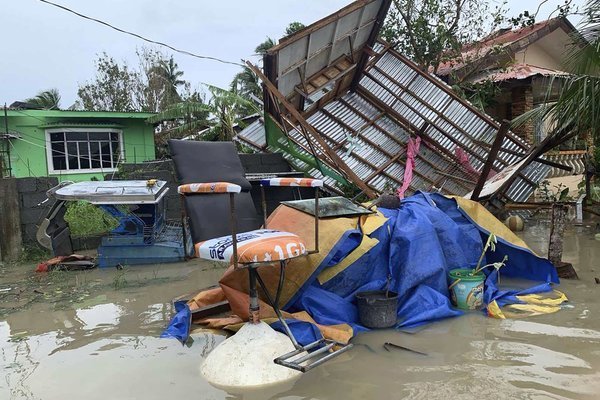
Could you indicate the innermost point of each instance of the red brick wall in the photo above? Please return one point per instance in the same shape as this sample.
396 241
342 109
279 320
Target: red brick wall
522 101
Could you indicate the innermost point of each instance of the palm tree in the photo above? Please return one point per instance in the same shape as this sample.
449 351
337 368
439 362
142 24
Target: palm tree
228 109
215 120
262 48
46 99
166 74
246 84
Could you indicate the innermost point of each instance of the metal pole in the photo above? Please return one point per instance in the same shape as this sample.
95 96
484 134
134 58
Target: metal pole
233 229
263 200
254 315
7 142
316 220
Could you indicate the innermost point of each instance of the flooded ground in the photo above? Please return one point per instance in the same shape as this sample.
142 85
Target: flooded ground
94 335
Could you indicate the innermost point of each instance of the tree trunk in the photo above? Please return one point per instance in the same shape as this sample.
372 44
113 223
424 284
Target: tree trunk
557 230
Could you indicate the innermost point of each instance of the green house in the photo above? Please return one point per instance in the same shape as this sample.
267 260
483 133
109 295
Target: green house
72 145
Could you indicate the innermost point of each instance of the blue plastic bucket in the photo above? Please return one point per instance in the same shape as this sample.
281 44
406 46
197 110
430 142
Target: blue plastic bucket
466 291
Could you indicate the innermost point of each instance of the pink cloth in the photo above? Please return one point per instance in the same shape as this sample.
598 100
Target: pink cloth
411 152
463 160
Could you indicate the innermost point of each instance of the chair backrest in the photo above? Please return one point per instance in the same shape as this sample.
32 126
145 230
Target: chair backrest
201 162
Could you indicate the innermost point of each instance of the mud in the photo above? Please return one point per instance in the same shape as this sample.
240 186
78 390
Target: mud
94 335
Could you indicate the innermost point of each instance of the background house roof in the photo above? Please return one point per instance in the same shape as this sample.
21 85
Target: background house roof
13 112
516 71
502 45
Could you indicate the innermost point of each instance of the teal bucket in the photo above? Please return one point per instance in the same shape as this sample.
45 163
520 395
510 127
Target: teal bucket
466 288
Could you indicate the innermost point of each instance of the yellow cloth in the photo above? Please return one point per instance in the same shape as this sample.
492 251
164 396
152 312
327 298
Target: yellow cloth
486 220
535 304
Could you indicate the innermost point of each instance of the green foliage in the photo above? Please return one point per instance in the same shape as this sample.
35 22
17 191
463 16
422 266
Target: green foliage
245 83
85 219
152 86
433 31
481 94
120 279
46 99
594 191
216 120
112 89
263 47
186 118
351 191
441 32
163 78
294 27
557 193
34 253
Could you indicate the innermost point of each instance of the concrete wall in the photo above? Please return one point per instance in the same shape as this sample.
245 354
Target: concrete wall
10 233
31 193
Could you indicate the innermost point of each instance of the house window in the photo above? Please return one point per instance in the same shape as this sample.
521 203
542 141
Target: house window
89 150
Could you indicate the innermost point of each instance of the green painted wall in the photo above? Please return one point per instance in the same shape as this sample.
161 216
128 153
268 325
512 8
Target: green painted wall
28 153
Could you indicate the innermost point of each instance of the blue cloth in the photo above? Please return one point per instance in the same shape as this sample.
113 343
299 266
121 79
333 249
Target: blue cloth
179 327
304 332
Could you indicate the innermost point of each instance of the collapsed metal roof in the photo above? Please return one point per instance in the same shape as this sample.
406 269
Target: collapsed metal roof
351 119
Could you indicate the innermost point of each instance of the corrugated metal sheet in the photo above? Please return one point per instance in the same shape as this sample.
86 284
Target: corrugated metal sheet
253 135
369 130
516 71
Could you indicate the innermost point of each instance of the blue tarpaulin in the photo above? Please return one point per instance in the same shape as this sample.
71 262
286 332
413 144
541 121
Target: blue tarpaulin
418 245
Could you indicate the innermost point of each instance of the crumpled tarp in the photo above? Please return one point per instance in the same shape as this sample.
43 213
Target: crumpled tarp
412 248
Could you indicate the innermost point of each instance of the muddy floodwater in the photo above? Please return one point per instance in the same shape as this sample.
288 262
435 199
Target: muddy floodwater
94 335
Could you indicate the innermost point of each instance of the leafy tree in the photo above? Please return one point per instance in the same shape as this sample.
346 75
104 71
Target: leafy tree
46 99
294 27
262 48
433 31
155 84
112 89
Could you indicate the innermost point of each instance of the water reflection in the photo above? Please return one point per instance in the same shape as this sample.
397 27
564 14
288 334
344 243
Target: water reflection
107 347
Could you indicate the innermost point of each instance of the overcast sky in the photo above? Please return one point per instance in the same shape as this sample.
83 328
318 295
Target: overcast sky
45 47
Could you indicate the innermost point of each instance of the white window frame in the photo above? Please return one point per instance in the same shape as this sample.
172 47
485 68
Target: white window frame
50 162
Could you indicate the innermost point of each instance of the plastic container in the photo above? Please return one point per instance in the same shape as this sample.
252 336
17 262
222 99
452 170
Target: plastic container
467 294
376 310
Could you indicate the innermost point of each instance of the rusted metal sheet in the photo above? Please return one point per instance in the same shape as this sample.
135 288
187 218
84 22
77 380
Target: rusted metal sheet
516 71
